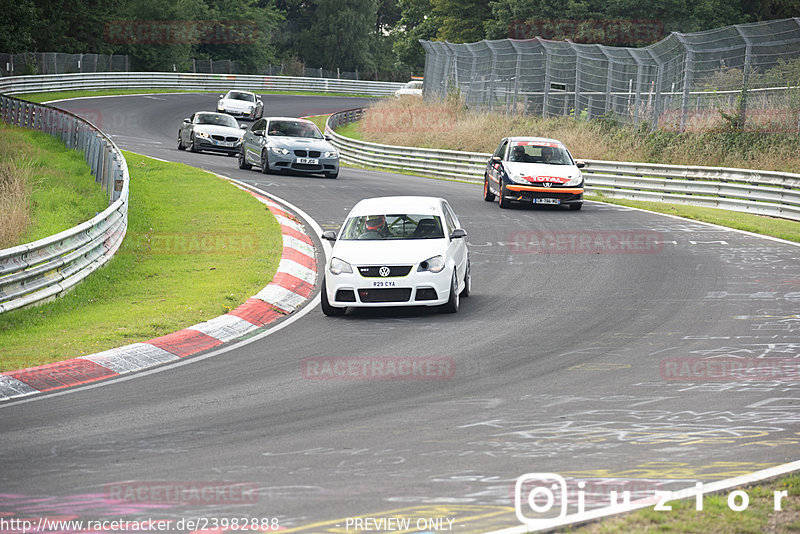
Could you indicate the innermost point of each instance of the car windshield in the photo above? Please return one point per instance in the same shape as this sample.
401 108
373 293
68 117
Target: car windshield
392 226
216 118
235 95
294 129
539 152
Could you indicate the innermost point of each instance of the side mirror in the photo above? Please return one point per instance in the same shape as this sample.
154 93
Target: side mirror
222 96
186 120
497 159
580 164
458 233
329 235
328 137
243 126
259 133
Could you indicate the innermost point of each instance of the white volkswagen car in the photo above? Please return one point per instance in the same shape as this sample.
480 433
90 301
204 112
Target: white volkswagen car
242 104
397 251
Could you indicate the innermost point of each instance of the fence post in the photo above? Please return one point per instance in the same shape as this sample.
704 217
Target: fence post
748 52
545 97
687 79
576 106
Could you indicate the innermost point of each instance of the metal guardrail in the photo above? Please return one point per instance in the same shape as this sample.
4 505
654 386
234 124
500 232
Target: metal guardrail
39 271
770 193
191 81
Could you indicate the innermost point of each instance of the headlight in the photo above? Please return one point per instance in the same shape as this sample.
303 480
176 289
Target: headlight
331 154
519 179
434 264
339 266
220 104
574 180
204 135
279 150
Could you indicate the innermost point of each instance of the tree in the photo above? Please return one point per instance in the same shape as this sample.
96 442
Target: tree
17 26
73 26
461 21
244 33
160 35
341 34
416 22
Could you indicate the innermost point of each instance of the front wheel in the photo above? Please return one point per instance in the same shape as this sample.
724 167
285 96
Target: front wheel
243 161
467 283
455 299
264 162
504 202
192 147
488 196
327 309
332 175
180 142
576 207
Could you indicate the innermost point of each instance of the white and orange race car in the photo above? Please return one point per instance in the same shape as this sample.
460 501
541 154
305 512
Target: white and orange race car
533 170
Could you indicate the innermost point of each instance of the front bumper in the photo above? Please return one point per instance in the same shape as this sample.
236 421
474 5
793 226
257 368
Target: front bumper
292 162
415 289
213 145
246 113
543 195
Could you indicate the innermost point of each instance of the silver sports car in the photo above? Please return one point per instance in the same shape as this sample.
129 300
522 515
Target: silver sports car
242 104
287 144
206 130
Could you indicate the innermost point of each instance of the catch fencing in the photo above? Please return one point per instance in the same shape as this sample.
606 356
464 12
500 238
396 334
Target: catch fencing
60 63
41 270
738 77
190 81
774 194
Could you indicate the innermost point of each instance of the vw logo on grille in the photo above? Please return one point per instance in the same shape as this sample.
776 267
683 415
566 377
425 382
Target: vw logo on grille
384 271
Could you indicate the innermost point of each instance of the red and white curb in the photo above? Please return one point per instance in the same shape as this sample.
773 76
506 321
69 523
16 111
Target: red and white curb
291 286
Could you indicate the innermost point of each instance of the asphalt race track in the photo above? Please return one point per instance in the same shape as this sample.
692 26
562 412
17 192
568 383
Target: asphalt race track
602 363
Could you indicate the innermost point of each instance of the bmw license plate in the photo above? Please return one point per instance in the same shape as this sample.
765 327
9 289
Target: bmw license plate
224 143
308 161
547 201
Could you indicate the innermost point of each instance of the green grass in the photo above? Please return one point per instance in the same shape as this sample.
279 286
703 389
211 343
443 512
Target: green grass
59 95
63 193
154 285
319 120
351 130
716 516
781 228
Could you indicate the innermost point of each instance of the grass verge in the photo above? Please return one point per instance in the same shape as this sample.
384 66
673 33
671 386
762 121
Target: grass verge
716 516
59 95
45 187
196 247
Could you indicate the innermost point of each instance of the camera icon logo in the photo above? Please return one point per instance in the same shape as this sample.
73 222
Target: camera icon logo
539 493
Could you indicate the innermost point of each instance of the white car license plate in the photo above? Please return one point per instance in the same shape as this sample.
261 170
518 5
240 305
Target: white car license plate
547 201
383 284
224 143
308 161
